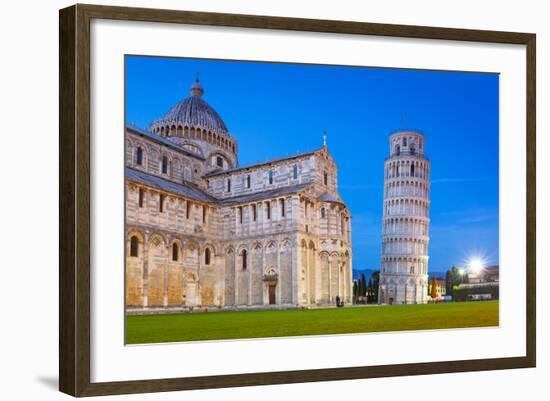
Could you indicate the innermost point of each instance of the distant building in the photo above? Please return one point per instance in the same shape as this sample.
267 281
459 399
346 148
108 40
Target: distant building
482 285
488 274
441 290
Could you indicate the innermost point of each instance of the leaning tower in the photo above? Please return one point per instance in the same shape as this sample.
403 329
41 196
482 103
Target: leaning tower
405 221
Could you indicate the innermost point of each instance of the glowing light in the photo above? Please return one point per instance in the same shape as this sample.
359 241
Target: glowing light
476 265
461 272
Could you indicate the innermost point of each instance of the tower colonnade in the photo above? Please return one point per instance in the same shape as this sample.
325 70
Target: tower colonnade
405 221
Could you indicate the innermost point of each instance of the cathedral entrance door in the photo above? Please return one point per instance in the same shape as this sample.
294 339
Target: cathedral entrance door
271 293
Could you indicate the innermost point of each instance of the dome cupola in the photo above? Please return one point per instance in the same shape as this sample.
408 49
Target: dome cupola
195 126
192 112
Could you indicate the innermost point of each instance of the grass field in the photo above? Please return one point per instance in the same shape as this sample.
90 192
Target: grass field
278 323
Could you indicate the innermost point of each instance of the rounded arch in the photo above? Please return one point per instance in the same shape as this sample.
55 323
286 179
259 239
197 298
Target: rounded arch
226 156
243 256
242 247
212 247
178 250
134 243
192 147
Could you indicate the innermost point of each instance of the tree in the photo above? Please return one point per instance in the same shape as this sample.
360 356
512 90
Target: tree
362 285
369 291
375 280
452 279
434 287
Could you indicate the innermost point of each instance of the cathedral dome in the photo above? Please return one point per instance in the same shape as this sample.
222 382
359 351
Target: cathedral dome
192 112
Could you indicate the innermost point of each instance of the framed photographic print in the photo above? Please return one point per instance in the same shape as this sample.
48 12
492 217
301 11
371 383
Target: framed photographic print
306 200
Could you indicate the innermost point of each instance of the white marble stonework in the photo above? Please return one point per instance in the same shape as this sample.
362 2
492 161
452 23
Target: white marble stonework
405 221
203 231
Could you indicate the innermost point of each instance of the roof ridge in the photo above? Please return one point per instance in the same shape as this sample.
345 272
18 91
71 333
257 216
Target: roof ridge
229 171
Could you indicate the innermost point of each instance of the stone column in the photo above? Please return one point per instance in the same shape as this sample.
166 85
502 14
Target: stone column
350 277
279 281
220 288
318 278
249 267
295 279
198 285
339 281
265 295
165 283
329 262
145 277
308 274
236 278
183 273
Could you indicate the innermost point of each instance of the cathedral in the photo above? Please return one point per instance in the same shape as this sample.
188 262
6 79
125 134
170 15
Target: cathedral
203 231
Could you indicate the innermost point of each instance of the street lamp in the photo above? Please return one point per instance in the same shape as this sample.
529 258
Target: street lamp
476 265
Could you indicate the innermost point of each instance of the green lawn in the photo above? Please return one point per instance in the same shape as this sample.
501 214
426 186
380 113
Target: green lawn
278 323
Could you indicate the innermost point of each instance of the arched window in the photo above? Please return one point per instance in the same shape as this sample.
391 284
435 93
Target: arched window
139 156
412 269
243 255
207 256
248 181
295 172
134 246
325 177
175 252
412 170
323 213
397 150
404 141
270 177
219 161
229 185
164 165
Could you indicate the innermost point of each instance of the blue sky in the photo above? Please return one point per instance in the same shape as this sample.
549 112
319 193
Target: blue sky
276 109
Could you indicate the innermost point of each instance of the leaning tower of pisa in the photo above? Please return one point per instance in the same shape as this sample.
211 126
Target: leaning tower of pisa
405 221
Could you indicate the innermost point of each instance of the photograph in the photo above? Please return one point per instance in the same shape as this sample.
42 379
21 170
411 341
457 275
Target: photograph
272 199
